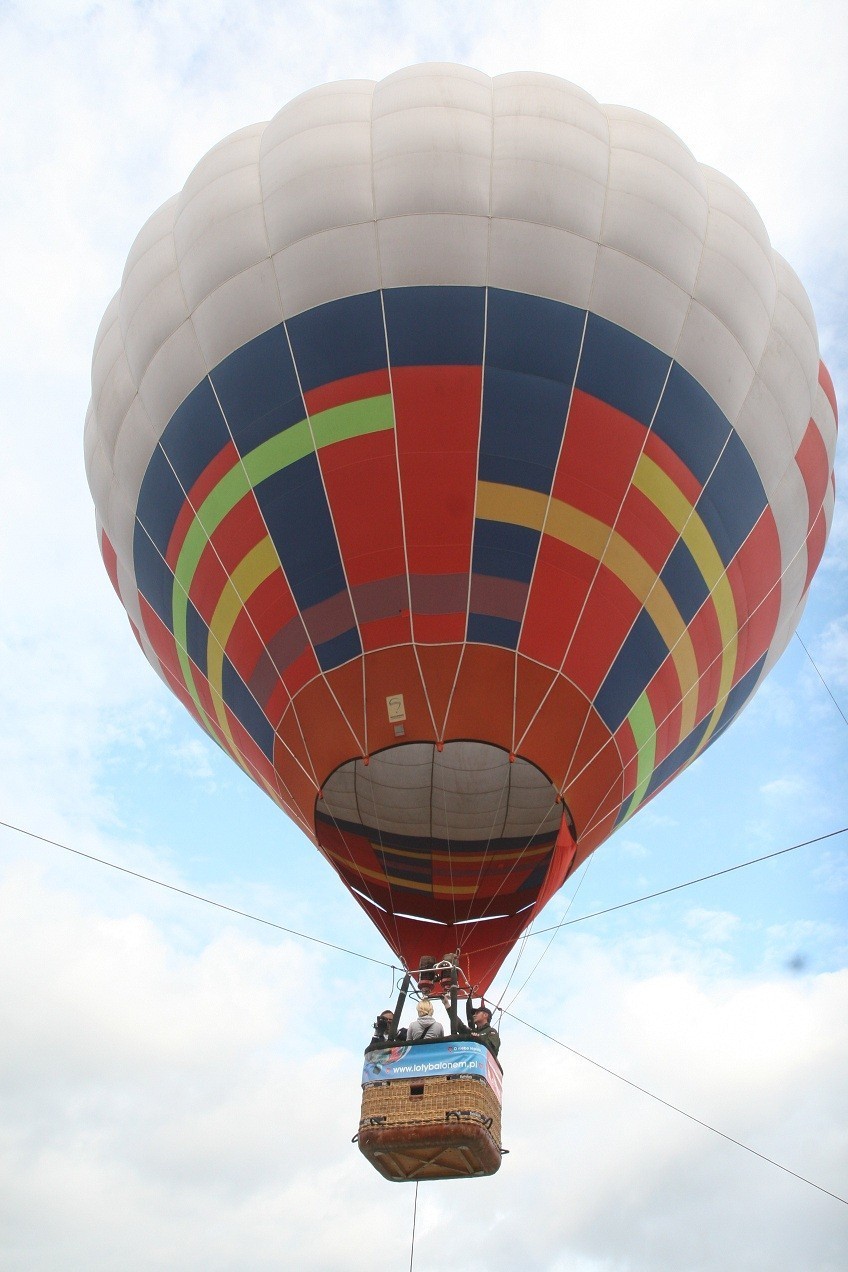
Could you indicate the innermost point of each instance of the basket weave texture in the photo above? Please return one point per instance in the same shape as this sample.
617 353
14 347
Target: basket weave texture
445 1127
399 1103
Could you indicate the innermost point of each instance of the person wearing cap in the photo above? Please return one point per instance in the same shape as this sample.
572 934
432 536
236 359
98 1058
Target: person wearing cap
381 1028
480 1026
425 1028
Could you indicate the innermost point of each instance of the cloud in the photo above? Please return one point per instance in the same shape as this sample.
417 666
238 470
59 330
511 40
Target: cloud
832 871
804 940
783 788
191 756
632 848
713 926
160 1099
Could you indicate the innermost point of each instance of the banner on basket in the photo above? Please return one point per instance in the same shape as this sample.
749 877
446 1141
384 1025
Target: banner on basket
432 1060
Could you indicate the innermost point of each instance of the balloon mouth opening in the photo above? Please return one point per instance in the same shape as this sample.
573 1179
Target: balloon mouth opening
454 835
454 793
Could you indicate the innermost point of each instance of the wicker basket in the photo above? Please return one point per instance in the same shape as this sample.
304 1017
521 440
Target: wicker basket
446 1127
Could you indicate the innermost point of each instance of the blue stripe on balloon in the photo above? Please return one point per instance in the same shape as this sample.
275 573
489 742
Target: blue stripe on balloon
532 335
258 389
197 638
732 500
160 500
154 580
246 709
339 649
532 346
503 550
339 339
490 630
738 696
689 421
639 658
195 434
435 326
685 582
681 754
294 506
621 370
735 701
522 427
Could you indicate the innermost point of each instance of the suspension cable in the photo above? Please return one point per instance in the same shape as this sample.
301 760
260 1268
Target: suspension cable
677 887
414 1216
676 1108
820 676
551 940
196 896
305 936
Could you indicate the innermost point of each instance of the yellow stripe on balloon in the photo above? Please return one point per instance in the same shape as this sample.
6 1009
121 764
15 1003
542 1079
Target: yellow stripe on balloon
513 504
232 746
260 562
659 488
587 534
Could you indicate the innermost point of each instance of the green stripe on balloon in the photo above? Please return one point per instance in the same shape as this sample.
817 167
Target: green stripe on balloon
641 720
336 424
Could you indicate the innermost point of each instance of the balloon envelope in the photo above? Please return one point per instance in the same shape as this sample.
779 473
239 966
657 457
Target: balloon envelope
462 457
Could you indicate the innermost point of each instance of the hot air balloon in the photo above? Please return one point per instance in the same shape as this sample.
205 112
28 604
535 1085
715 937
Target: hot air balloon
462 456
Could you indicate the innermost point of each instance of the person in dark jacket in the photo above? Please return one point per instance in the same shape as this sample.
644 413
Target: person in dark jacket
381 1028
480 1026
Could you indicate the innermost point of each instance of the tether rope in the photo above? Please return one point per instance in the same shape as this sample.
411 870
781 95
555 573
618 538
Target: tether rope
677 887
541 1032
561 923
820 676
317 940
414 1216
196 896
676 1109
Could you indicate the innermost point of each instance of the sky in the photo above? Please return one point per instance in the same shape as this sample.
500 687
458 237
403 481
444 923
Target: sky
179 1086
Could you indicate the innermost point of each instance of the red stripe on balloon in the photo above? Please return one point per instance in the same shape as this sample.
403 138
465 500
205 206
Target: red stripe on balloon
705 634
437 421
830 392
561 580
361 478
195 496
165 647
110 560
754 575
645 527
353 388
599 453
664 696
814 465
610 612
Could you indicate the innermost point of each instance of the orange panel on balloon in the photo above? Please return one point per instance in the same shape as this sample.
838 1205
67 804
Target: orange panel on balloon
439 665
596 770
292 762
348 685
395 698
329 739
482 700
550 739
